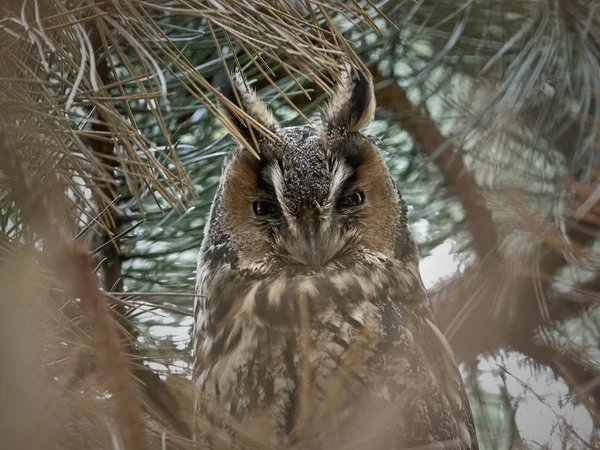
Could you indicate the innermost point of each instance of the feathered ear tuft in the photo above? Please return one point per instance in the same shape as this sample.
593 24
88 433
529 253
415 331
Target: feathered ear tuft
236 92
352 107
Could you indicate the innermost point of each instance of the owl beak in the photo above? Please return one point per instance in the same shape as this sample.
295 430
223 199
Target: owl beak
311 224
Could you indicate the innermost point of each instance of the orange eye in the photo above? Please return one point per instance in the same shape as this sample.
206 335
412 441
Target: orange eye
264 208
357 198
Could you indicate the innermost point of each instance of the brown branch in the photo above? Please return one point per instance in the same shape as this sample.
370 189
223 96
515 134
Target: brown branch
160 399
479 316
104 150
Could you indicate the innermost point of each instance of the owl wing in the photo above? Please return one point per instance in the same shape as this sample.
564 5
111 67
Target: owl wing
411 396
417 372
441 362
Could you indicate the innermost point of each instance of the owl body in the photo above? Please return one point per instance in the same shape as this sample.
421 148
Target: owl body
312 325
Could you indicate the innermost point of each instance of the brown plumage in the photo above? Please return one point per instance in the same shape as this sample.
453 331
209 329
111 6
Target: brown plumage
312 325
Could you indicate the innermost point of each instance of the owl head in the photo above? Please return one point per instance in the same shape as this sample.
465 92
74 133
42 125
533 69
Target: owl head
318 195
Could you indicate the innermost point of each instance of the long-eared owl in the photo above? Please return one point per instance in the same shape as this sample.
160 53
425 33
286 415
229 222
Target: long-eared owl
312 326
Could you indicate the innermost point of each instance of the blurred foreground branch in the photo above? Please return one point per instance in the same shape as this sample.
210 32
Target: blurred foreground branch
44 209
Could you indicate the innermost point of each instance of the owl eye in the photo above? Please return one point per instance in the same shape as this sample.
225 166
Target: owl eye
357 198
265 208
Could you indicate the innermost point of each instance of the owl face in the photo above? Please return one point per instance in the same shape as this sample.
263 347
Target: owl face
317 195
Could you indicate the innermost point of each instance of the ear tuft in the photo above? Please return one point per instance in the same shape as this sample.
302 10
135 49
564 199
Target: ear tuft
352 107
237 92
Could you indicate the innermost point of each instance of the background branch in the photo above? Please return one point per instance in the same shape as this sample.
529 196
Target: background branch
415 121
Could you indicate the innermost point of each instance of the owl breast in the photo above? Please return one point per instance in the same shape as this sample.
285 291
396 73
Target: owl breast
284 353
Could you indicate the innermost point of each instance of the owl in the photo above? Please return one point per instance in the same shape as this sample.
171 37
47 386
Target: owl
312 326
